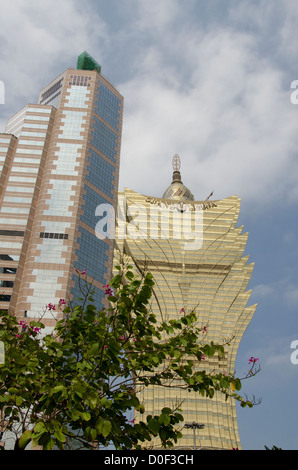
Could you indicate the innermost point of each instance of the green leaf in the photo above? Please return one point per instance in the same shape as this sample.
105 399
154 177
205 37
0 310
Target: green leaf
103 427
154 426
38 431
221 351
166 411
94 349
164 419
238 384
59 436
25 439
224 382
212 349
49 444
5 398
129 275
177 353
105 402
179 417
75 415
86 416
141 409
39 427
106 428
19 401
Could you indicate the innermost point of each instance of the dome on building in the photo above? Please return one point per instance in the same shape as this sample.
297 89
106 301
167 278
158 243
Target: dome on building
177 190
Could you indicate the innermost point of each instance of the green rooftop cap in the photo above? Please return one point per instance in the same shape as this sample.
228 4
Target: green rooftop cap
86 62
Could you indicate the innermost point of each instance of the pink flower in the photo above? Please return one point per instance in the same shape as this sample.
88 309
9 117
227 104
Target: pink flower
105 346
205 329
51 306
28 328
108 290
61 302
253 360
23 325
182 310
34 330
202 357
81 272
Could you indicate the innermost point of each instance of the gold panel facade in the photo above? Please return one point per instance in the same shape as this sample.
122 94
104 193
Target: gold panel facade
210 276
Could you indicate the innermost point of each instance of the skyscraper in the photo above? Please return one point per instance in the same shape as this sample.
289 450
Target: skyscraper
194 251
59 160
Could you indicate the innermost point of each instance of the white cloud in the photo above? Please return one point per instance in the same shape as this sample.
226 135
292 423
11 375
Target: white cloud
207 93
156 15
277 353
289 32
284 290
226 113
39 41
263 290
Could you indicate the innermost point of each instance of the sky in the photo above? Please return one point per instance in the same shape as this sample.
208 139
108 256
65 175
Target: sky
210 80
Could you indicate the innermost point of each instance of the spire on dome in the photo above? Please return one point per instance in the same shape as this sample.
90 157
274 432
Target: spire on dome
176 162
177 190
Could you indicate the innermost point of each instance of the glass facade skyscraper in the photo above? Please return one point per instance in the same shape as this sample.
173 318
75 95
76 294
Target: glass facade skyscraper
59 160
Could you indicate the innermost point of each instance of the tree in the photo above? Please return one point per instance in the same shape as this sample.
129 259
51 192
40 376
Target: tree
76 385
273 448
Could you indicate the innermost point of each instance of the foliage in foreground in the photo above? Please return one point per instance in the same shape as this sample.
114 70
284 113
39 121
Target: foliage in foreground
75 387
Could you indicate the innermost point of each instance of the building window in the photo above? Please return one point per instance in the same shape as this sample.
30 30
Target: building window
12 233
60 236
5 298
51 90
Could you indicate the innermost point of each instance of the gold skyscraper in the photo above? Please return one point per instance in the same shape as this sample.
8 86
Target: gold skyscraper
195 253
